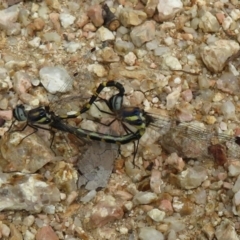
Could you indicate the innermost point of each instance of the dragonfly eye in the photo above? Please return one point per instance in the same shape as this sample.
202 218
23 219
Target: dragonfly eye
115 102
19 113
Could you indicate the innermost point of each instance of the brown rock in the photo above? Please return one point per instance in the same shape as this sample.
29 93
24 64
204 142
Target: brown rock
143 33
106 211
217 55
83 20
129 17
15 234
54 17
107 55
46 233
38 24
151 7
95 14
89 27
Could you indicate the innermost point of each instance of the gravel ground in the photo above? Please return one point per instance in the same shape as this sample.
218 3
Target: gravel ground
178 60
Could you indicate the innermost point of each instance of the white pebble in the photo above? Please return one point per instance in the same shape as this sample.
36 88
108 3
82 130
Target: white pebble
156 215
155 100
29 220
172 62
50 209
89 196
5 230
235 14
72 47
35 42
130 59
144 198
168 41
228 110
28 235
67 19
177 80
104 34
147 233
123 230
55 79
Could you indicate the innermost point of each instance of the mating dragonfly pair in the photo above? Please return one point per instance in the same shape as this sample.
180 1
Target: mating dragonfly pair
187 140
133 116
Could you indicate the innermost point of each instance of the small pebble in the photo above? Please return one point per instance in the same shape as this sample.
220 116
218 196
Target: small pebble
29 220
156 215
66 19
144 198
147 233
130 59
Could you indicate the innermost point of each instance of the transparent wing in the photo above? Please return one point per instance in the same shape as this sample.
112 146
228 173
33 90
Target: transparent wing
189 140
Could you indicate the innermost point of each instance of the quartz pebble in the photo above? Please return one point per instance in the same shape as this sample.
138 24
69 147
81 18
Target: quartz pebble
13 161
66 19
172 98
4 229
156 215
143 33
209 23
216 55
89 196
150 7
55 79
130 58
168 9
192 177
103 34
28 235
8 16
21 82
72 47
234 169
144 198
150 233
171 62
29 220
226 230
123 47
28 185
107 55
228 110
82 20
35 42
130 17
98 69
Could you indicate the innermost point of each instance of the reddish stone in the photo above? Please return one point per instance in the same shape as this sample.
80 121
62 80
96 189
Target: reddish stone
106 211
95 14
46 233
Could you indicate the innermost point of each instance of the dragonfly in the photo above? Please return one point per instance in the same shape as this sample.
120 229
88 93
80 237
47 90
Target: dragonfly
42 116
190 140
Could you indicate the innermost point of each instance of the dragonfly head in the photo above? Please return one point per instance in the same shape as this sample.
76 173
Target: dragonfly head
20 113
